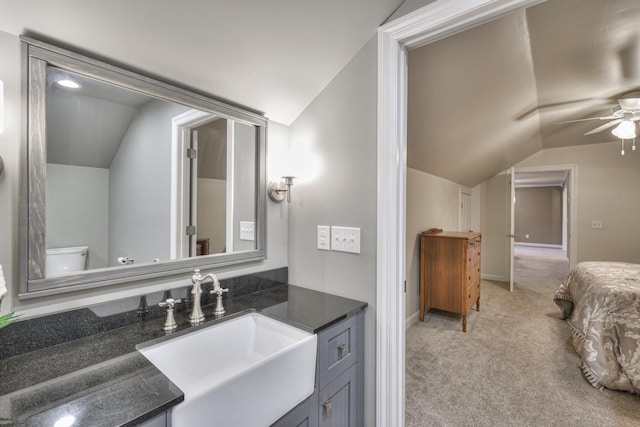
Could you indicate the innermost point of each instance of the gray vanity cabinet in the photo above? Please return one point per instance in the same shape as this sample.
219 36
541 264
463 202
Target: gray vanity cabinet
338 400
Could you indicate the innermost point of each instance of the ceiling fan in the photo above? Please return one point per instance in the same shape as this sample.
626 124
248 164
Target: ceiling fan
624 115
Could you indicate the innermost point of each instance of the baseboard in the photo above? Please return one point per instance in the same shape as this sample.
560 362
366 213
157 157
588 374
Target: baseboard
412 320
539 245
495 278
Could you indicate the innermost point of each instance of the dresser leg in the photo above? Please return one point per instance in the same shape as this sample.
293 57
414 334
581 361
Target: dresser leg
478 304
464 323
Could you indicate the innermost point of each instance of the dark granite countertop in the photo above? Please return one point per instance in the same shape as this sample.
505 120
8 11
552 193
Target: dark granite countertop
102 380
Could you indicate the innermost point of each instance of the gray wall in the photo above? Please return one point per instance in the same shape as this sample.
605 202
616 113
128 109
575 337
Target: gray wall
538 214
212 213
431 202
339 127
140 186
607 190
212 149
78 210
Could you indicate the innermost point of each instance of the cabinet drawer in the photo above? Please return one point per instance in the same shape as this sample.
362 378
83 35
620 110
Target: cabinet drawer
337 350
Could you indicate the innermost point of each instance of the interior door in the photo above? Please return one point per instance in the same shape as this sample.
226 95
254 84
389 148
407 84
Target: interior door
511 237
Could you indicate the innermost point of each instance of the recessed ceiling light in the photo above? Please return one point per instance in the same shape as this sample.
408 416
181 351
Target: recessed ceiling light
68 83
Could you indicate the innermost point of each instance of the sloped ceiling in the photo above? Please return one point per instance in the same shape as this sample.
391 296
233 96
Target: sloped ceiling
485 99
273 56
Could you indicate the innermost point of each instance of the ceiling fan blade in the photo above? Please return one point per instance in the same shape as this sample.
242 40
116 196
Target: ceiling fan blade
604 127
589 118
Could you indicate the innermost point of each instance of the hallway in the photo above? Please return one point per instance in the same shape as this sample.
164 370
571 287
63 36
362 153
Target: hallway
540 269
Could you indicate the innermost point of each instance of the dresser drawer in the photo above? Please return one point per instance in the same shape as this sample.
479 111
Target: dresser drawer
473 275
471 296
337 350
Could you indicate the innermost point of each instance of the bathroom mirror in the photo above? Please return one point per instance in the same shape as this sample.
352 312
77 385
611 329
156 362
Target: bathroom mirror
130 178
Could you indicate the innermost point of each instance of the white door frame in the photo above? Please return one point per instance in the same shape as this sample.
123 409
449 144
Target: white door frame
433 22
512 224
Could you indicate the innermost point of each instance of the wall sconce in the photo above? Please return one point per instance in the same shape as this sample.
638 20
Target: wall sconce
278 188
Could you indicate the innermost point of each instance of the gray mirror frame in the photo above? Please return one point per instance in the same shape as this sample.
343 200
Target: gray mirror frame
36 55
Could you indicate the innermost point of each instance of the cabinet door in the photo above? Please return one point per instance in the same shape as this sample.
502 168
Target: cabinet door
338 401
300 416
157 421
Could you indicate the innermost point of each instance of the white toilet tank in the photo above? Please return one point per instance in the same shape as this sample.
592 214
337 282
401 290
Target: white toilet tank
66 260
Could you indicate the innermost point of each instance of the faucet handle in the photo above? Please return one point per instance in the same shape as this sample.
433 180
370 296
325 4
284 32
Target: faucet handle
219 291
169 303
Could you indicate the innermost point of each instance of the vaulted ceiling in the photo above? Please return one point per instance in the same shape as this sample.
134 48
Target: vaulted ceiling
274 56
487 98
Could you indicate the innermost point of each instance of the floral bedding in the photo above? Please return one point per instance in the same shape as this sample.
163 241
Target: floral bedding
601 301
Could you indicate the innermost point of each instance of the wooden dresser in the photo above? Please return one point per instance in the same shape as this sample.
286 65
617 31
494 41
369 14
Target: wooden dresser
450 272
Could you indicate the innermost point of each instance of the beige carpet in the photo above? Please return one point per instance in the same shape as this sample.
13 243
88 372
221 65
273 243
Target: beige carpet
514 367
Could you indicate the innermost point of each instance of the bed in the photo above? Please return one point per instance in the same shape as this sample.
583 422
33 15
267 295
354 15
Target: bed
601 302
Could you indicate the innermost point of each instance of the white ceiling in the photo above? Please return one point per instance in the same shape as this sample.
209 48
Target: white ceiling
485 99
274 56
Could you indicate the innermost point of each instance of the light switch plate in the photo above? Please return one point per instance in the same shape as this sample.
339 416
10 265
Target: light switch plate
247 230
345 239
324 237
596 223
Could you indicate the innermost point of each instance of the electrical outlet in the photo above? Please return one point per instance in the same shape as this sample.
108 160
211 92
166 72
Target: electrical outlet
247 230
596 223
345 239
324 237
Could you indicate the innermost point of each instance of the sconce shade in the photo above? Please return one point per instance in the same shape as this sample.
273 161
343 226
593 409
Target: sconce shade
625 130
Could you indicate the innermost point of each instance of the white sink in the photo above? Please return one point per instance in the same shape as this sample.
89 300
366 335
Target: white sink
245 371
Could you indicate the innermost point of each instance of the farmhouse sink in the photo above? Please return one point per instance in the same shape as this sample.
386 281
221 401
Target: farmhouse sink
245 371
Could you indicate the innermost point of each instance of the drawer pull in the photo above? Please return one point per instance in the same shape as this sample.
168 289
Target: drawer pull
327 407
342 349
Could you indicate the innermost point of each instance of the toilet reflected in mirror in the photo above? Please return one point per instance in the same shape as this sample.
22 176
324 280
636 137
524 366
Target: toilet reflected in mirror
66 260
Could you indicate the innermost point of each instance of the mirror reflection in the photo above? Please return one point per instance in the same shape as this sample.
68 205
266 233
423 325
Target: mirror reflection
134 179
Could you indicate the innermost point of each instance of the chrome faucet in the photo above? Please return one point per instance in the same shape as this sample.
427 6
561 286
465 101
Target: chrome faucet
218 291
197 316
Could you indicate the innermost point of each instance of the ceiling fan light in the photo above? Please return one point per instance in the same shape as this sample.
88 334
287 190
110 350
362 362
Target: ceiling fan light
625 130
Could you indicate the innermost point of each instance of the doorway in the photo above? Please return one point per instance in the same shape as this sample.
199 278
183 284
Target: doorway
540 269
430 23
